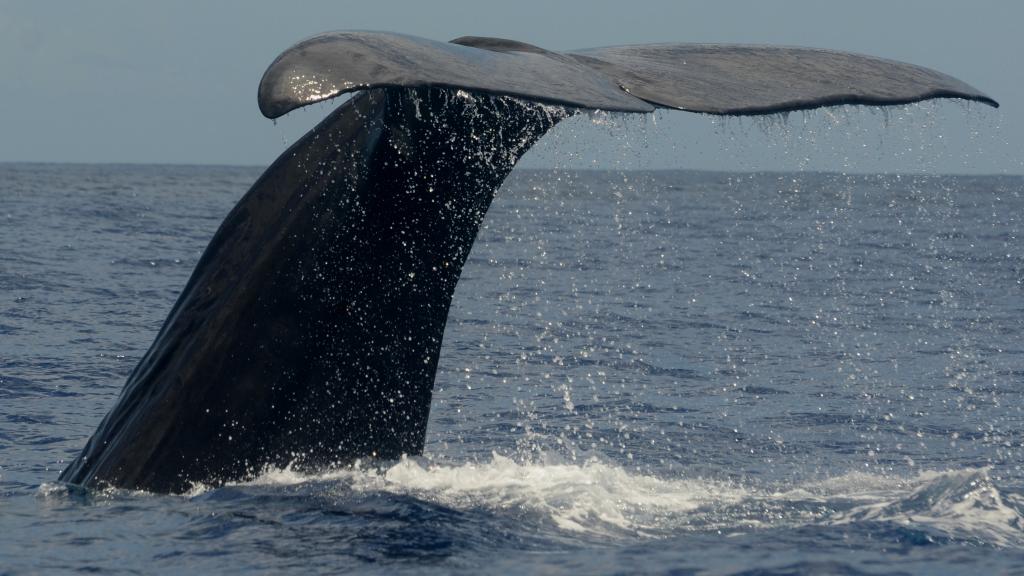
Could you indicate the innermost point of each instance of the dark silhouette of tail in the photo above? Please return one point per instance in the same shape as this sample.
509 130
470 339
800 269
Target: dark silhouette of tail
310 330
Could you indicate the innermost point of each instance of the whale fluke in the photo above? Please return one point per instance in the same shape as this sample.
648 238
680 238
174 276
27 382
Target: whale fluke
709 78
310 330
332 64
724 79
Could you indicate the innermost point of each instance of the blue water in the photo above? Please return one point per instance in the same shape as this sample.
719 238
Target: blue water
643 372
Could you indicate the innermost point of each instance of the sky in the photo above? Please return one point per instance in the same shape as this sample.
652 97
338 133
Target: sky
139 81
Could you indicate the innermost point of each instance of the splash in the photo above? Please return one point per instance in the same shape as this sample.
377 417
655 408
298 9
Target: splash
962 502
598 498
592 497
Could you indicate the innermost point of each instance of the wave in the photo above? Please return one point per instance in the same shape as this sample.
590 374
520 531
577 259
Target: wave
963 504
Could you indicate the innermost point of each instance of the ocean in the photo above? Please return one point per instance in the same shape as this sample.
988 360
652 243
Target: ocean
665 372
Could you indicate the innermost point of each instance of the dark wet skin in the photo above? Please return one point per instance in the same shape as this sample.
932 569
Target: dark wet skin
310 330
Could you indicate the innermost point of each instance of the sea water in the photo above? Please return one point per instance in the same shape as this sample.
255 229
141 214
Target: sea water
642 372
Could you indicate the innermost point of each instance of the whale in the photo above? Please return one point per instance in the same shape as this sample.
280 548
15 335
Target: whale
309 332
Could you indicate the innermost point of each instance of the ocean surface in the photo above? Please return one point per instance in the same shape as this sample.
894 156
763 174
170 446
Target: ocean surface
643 372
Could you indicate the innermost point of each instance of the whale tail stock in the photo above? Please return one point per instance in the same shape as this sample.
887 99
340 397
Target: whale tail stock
310 330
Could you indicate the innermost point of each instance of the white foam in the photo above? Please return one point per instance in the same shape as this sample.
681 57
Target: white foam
961 503
597 497
590 497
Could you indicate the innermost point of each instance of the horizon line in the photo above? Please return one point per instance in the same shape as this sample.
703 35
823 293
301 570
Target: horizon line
4 163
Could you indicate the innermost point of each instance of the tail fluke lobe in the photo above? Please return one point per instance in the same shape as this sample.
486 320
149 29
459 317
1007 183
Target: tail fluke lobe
740 80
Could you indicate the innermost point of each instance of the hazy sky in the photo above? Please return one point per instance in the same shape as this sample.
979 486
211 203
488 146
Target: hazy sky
175 82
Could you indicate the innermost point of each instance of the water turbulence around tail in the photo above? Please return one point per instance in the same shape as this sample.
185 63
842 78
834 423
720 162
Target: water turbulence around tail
310 330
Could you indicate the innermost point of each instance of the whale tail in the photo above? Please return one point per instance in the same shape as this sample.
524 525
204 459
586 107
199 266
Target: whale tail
310 330
706 78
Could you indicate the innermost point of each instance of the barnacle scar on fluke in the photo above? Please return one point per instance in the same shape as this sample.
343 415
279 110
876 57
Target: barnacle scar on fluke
310 330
